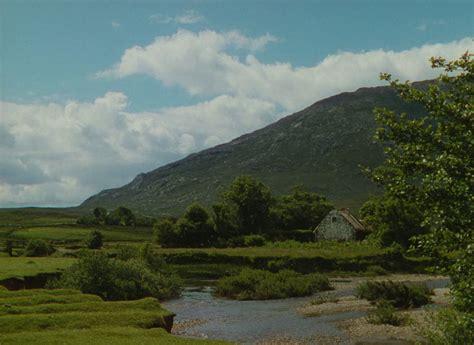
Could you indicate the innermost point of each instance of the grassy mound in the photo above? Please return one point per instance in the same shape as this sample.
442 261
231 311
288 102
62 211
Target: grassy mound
260 285
72 318
102 336
28 267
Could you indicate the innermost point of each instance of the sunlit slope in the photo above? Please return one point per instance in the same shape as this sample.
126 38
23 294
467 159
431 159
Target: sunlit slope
322 147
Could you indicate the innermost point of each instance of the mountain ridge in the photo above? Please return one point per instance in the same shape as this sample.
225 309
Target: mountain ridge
321 146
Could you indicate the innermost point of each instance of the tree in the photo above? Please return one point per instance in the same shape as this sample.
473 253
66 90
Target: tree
429 161
195 229
94 240
38 247
392 220
121 216
248 201
100 214
300 210
165 233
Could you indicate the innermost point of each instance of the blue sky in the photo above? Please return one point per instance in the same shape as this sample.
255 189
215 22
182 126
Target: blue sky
94 92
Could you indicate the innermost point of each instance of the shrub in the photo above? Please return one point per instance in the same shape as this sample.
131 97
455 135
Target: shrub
254 241
326 298
449 327
87 220
165 233
376 270
37 247
114 279
94 240
400 295
385 314
120 216
100 214
261 285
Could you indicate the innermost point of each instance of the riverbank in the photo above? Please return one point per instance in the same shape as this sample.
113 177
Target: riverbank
359 330
287 322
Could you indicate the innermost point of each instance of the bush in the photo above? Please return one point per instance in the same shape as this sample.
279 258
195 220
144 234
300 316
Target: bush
385 314
254 241
261 285
449 327
38 247
114 279
165 233
376 270
94 240
87 220
400 295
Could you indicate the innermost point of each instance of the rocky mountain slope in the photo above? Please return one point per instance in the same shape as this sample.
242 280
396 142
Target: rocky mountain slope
322 147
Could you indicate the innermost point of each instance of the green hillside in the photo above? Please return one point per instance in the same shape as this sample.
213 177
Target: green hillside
322 147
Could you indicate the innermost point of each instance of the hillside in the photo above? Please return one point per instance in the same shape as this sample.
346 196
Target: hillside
322 147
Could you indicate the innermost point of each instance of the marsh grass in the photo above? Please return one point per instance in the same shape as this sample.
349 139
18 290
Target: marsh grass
386 314
261 285
399 295
102 336
19 267
326 298
146 304
68 317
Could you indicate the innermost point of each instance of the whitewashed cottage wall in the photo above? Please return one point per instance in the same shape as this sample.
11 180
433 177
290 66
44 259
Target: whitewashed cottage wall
334 227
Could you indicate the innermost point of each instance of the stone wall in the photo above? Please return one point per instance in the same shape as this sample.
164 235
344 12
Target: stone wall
334 227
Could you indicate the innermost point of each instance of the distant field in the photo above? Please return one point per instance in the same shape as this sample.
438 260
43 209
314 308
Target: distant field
76 233
34 216
71 318
56 224
27 267
326 250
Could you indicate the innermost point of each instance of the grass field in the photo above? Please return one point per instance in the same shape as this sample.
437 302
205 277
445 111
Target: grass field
19 267
78 319
76 233
329 250
54 224
35 216
103 336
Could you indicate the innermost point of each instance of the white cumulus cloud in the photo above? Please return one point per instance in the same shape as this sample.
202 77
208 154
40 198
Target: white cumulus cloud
59 154
206 63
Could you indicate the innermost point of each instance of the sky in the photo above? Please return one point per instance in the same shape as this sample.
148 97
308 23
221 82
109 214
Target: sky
93 93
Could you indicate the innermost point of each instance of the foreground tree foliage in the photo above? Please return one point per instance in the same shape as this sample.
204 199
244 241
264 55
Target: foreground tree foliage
429 162
392 220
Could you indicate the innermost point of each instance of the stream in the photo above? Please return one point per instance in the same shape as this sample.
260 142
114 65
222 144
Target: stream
248 322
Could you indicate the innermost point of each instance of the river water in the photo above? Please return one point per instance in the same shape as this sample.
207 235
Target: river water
248 322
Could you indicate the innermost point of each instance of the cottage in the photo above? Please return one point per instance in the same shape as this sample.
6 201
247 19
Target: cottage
340 225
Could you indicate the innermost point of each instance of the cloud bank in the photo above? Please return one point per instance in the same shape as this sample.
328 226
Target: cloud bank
205 63
61 153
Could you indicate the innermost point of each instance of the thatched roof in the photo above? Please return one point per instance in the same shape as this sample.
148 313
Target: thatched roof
356 224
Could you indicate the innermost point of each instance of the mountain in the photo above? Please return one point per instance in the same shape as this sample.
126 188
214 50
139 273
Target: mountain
322 147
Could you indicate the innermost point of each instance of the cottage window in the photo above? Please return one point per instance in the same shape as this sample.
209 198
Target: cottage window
334 219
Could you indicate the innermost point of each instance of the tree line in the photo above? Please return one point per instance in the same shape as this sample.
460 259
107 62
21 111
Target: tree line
246 214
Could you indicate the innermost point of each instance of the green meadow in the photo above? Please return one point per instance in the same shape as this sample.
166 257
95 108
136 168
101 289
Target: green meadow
70 317
19 267
76 233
